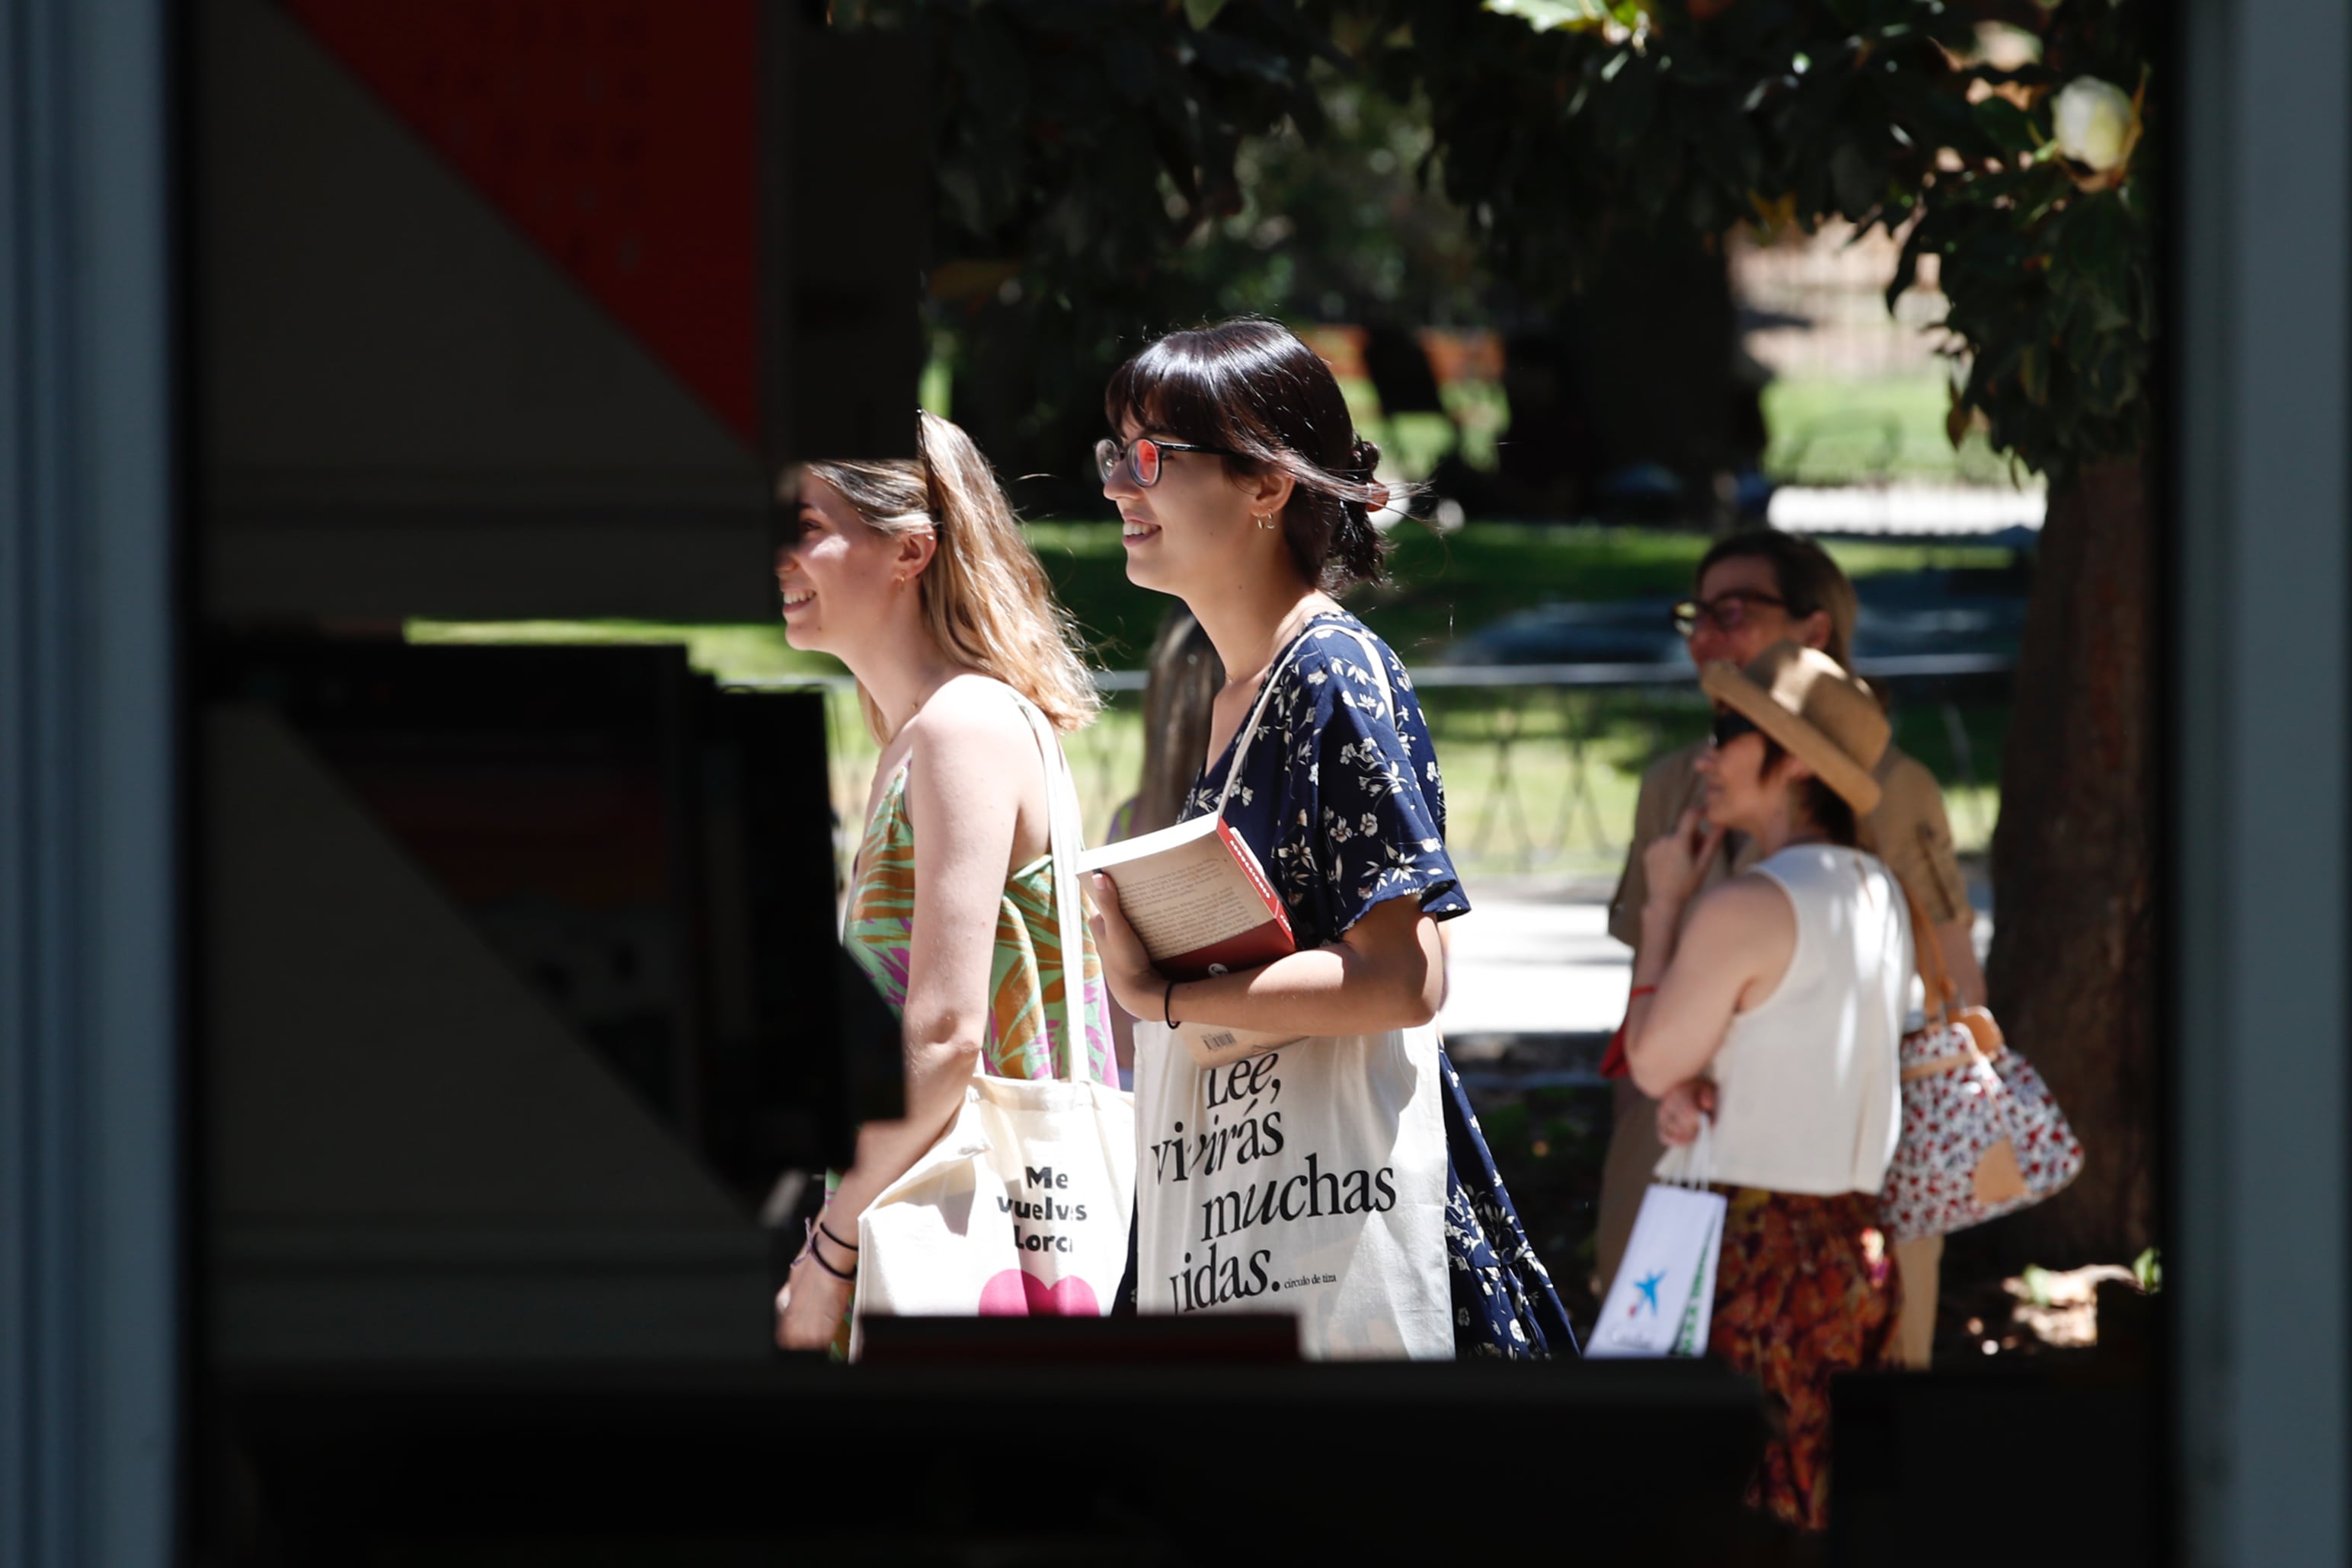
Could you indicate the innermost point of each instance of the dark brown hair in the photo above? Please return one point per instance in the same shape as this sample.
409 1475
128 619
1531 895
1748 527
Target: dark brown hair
1831 812
1807 577
1252 388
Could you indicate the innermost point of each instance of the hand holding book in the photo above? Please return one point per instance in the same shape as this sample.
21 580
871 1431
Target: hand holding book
1199 905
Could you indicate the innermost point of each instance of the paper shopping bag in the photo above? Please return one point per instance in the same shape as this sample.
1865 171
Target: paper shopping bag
1663 1299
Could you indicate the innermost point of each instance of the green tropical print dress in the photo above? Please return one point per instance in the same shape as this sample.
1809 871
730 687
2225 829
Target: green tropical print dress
1026 974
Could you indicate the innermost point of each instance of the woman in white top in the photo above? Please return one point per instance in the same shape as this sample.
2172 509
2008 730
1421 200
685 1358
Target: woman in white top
1776 1011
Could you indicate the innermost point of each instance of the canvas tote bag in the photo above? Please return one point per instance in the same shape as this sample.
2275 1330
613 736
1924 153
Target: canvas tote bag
1022 1209
1662 1301
1310 1180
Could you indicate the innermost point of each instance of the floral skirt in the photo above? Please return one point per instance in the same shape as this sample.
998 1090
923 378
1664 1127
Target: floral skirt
1504 1303
1806 1289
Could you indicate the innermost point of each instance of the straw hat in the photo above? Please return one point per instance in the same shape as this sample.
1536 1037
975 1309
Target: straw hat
1815 708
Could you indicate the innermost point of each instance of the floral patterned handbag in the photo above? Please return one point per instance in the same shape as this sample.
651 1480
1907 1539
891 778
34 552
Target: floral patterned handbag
1981 1135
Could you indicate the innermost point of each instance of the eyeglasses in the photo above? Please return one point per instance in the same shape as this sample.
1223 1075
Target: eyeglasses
1728 611
1729 726
1142 456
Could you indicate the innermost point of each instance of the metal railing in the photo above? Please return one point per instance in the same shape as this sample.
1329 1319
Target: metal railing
1513 805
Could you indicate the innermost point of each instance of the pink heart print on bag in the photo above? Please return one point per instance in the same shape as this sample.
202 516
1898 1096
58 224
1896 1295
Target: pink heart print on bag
1017 1293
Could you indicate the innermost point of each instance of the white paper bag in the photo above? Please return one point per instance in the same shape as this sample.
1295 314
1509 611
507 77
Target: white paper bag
1310 1180
1022 1209
1662 1301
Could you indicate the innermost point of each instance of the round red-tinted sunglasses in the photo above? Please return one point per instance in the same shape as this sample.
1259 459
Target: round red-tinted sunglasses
1142 456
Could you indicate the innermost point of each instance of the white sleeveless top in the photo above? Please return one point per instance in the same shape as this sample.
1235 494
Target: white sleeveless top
1808 1081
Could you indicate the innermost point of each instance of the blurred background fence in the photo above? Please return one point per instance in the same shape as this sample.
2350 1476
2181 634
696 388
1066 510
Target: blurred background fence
1542 762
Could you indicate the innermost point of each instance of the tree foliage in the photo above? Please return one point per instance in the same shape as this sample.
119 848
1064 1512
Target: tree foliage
1879 112
1109 168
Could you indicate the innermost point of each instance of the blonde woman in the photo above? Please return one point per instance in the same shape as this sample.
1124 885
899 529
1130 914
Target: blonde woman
916 576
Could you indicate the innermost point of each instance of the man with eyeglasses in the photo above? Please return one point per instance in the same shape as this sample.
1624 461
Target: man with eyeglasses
1757 589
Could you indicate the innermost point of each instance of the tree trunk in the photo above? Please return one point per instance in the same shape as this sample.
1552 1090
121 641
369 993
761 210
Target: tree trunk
2072 973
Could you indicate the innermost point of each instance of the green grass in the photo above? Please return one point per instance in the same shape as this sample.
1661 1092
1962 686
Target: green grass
1446 585
1828 431
1522 797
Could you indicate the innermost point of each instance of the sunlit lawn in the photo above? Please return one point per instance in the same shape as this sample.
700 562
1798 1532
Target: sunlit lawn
1522 797
1834 431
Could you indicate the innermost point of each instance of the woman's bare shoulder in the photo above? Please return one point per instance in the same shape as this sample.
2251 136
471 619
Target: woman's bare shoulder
971 734
1747 900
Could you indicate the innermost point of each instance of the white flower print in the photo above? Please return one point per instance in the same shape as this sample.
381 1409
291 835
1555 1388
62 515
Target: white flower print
1371 824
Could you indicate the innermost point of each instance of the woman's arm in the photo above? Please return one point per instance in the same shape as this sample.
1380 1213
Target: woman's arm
1387 971
967 773
1742 934
1689 982
969 769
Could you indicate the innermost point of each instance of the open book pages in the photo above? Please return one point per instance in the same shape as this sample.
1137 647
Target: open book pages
1197 897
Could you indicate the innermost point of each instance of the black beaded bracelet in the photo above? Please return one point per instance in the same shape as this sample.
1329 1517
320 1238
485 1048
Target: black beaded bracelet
817 1258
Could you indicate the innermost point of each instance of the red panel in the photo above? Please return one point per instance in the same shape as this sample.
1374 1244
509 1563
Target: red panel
620 135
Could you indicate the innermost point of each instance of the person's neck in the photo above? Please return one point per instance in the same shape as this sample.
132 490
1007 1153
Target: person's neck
899 671
1249 621
1782 830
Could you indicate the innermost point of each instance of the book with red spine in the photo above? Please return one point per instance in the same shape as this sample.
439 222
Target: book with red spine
1197 897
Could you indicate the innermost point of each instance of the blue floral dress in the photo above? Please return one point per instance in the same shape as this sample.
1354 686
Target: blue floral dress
1346 809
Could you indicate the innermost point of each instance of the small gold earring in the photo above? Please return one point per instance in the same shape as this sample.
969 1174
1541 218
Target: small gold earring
1265 520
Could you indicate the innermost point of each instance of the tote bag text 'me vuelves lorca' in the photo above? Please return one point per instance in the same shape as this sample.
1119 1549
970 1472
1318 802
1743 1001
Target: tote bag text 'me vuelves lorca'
1022 1209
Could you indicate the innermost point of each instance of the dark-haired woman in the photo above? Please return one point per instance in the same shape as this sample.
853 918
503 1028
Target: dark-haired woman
1772 1002
1243 490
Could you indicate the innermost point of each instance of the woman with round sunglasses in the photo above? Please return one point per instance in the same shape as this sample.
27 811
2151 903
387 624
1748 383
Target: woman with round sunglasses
1756 588
1770 1005
1243 490
915 575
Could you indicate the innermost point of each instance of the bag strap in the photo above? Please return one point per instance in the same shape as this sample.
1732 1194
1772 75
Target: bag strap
1371 656
1943 998
1257 711
1064 842
1691 1164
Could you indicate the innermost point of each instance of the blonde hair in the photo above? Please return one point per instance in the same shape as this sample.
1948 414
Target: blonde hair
985 597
